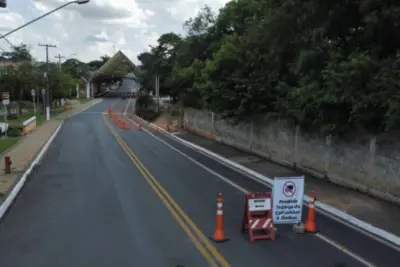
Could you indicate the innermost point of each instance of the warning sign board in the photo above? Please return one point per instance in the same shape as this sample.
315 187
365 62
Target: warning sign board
287 199
257 217
261 204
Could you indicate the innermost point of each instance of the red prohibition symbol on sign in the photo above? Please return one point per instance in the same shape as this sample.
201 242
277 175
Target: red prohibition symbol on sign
289 189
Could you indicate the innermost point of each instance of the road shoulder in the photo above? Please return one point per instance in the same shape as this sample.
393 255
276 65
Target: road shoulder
370 215
376 212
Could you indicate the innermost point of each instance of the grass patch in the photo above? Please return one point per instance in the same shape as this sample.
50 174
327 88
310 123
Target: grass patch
84 100
17 122
7 142
40 118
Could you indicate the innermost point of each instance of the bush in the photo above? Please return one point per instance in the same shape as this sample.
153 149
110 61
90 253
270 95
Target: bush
175 113
14 131
144 100
147 114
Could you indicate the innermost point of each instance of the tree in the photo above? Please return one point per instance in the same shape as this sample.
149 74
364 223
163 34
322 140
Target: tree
329 66
104 58
23 74
18 54
75 67
96 64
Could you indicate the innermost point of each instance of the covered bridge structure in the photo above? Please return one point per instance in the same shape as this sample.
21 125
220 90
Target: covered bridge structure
117 68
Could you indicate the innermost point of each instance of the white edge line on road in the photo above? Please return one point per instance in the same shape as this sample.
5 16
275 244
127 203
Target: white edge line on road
341 248
127 105
376 233
243 190
17 188
91 105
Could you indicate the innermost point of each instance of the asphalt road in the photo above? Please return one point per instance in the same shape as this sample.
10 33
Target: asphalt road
191 183
87 205
127 199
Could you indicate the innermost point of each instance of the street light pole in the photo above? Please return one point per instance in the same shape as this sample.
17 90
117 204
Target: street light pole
79 2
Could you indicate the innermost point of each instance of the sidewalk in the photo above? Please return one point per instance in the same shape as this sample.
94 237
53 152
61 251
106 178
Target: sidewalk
376 212
29 146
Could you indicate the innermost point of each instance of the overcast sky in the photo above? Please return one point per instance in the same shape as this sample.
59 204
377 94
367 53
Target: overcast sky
97 28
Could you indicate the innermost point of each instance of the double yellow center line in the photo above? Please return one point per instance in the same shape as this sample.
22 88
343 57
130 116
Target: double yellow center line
207 250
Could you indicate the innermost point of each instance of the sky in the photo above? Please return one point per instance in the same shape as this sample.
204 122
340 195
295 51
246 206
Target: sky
97 28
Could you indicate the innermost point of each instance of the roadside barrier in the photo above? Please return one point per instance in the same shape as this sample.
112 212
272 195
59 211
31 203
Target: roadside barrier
257 217
122 124
311 226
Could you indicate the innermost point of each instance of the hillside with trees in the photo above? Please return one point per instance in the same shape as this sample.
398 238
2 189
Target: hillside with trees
330 66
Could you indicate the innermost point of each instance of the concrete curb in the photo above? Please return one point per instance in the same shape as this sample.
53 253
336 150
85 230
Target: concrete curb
21 182
325 209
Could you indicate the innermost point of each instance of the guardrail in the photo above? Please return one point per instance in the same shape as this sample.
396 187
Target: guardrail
29 125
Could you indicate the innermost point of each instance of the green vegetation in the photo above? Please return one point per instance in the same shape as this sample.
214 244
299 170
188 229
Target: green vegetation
40 118
7 142
20 73
329 66
84 100
145 107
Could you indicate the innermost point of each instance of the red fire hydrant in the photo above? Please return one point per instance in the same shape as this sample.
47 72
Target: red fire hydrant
7 164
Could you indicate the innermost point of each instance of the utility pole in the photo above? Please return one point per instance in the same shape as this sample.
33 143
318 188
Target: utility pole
157 83
78 71
47 79
59 60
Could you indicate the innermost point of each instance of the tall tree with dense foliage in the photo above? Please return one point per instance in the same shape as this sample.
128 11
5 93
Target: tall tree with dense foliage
329 66
21 74
17 54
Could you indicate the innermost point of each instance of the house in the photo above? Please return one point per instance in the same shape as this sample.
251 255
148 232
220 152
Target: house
4 64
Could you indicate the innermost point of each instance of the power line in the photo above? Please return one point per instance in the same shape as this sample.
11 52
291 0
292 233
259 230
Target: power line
29 9
2 37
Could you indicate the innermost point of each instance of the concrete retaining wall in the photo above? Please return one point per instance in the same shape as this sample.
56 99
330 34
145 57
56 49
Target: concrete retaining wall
370 164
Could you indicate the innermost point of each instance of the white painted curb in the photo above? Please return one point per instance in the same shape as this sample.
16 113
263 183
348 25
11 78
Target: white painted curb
321 207
17 188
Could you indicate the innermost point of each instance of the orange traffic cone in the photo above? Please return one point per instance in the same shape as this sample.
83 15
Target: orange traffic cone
122 124
311 226
140 126
219 234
